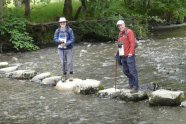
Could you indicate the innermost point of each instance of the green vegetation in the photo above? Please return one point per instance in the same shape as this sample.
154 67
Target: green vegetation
94 18
13 30
101 87
46 13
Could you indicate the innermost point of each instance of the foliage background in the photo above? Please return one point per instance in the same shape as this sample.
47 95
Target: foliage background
96 23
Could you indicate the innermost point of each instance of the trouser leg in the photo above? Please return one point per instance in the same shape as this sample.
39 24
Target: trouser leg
69 61
126 71
132 71
63 60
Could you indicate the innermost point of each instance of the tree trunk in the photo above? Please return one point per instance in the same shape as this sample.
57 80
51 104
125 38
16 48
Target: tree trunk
1 9
84 7
67 10
27 8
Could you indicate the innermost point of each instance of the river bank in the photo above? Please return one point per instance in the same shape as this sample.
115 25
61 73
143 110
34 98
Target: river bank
171 26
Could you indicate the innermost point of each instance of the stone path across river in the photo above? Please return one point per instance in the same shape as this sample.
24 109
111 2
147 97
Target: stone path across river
90 86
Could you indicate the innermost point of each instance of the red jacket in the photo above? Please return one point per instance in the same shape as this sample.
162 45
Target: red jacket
128 41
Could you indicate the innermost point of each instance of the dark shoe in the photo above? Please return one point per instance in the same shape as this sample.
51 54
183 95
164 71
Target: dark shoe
134 90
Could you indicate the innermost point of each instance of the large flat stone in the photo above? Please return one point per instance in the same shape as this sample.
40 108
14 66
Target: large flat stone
166 98
126 95
88 86
67 85
38 78
3 64
110 93
8 69
51 81
123 94
183 104
21 74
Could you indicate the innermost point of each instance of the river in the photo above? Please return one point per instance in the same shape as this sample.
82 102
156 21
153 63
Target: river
160 59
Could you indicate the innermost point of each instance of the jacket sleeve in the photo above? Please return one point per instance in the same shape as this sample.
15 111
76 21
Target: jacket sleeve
131 38
56 37
70 40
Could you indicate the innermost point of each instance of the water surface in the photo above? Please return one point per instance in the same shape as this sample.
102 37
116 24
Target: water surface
162 61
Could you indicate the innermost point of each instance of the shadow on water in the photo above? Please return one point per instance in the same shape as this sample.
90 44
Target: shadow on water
158 60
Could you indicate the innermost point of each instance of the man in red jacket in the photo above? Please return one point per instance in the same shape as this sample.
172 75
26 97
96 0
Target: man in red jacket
128 40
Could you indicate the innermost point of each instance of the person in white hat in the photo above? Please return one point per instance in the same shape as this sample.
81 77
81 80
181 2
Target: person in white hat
127 40
64 38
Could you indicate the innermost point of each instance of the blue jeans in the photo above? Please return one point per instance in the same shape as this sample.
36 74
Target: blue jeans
129 69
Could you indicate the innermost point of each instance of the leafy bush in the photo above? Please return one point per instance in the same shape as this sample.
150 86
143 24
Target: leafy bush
111 12
14 29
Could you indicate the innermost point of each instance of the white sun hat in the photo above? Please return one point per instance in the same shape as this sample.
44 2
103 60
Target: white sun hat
62 19
120 22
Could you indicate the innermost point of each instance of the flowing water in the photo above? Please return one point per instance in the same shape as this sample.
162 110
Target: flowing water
159 59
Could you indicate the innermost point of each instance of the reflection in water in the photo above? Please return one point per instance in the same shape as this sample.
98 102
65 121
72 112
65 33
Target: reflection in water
160 61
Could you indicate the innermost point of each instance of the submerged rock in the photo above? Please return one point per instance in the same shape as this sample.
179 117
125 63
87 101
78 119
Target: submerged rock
38 78
88 86
3 64
21 74
166 98
51 81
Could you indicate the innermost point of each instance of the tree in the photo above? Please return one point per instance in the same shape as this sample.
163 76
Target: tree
17 3
67 10
1 9
27 7
82 8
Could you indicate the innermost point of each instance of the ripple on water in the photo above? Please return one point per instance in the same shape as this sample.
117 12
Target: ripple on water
25 102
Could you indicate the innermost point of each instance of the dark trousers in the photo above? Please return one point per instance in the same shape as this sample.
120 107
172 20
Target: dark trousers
129 69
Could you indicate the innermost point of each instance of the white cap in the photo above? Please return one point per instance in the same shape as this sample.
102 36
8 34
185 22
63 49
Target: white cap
120 22
62 19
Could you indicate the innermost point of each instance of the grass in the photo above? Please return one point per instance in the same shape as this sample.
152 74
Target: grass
44 12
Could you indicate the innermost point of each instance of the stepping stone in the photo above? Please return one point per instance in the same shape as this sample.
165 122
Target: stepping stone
4 71
123 94
51 81
183 104
38 78
166 98
21 74
67 85
8 69
3 64
126 95
88 86
109 93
